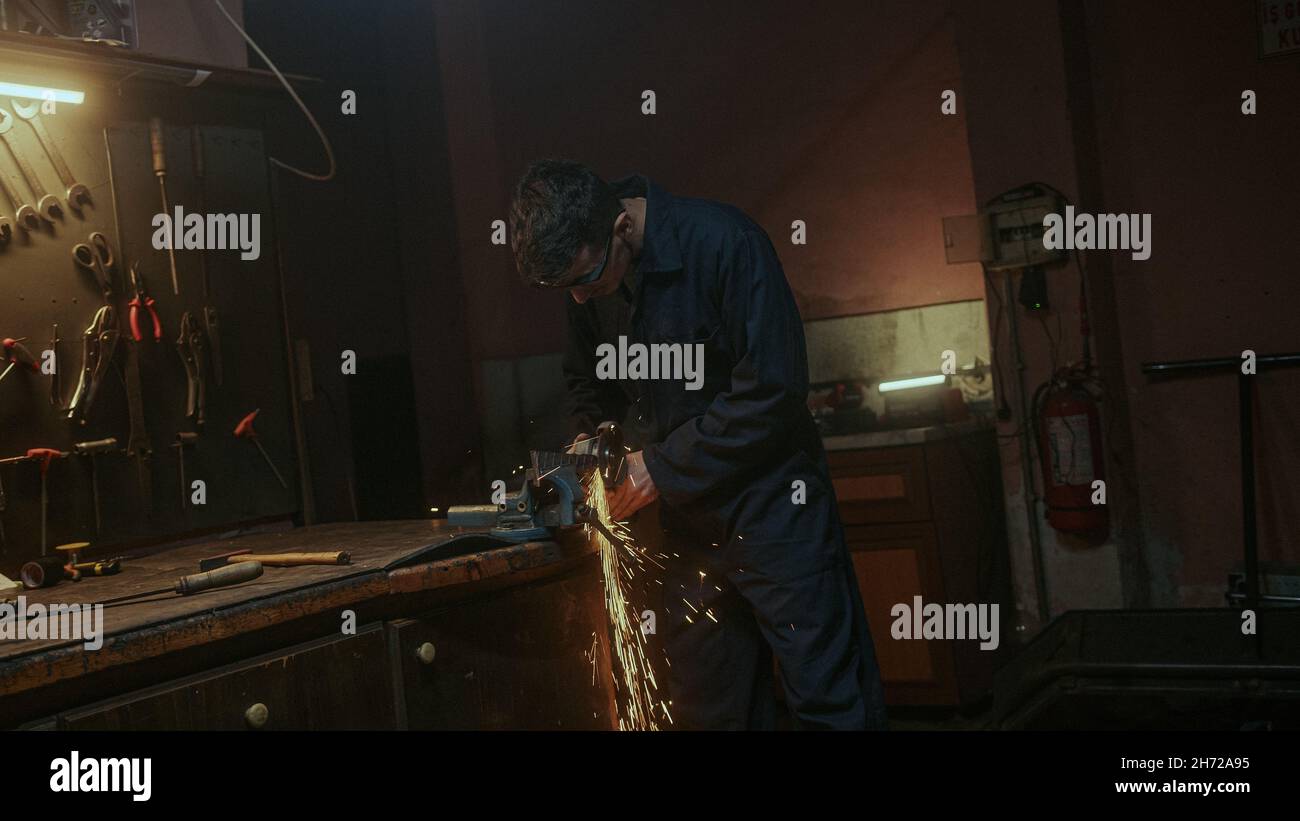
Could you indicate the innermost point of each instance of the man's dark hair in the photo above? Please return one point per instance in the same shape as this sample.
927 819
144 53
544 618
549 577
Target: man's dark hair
559 206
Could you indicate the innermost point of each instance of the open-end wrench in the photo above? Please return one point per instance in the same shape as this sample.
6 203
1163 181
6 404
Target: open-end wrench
46 204
28 219
31 112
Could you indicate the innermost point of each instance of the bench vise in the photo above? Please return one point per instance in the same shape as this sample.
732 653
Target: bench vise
552 495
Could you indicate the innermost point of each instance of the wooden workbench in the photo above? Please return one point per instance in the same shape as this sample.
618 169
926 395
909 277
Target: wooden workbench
452 630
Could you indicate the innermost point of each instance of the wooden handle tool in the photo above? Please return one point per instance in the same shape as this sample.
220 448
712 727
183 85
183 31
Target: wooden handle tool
278 559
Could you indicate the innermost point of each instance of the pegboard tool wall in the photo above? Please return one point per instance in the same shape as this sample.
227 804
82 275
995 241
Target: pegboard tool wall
41 285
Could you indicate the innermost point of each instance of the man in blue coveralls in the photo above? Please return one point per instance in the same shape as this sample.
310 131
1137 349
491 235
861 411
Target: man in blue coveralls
731 463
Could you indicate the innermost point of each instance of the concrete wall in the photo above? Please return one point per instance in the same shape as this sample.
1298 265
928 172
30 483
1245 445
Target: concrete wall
1017 103
1130 108
194 30
823 112
1221 188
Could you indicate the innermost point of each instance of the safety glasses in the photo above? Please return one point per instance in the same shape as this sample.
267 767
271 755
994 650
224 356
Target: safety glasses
589 278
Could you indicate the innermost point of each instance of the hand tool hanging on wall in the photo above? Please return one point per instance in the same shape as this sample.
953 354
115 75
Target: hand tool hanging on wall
26 215
56 378
211 324
47 205
89 450
45 456
137 445
142 301
15 353
98 344
199 582
97 257
193 353
244 430
30 110
158 149
333 557
4 540
184 439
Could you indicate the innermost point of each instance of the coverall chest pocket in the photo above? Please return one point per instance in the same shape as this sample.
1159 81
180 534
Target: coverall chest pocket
706 373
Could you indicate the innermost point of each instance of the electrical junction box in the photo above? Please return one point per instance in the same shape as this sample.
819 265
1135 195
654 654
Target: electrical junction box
1007 234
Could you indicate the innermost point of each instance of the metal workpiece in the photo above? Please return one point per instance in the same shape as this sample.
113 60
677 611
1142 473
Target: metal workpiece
47 205
30 111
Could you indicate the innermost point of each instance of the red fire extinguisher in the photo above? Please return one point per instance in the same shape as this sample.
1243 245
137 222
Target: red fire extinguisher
1071 454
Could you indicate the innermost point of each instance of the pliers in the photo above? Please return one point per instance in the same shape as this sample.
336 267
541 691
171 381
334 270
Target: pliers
193 351
98 344
142 300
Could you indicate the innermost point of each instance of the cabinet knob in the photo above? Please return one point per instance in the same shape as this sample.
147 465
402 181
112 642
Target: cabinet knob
256 716
426 652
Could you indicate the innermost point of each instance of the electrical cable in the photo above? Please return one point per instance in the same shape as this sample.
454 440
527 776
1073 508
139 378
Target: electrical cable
329 150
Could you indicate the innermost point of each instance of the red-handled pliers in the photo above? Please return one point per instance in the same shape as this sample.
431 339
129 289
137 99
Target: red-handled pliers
142 300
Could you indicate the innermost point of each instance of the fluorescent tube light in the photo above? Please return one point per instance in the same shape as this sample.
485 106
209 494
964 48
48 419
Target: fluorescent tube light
913 382
58 95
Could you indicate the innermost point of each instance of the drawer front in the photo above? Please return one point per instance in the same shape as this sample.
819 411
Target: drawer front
530 657
338 683
880 486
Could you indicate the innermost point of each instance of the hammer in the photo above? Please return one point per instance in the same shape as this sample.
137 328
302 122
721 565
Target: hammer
89 450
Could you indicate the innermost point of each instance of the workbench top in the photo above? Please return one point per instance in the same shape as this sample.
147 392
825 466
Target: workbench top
389 560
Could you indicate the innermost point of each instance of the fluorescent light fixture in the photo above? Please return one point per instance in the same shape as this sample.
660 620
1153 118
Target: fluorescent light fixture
913 382
58 95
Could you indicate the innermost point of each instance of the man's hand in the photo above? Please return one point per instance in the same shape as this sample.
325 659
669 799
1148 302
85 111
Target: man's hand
637 490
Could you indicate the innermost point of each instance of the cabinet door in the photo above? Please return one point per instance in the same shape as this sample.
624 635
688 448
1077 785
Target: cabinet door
529 657
339 683
893 564
885 485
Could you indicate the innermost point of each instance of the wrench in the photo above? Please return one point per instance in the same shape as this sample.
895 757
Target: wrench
27 217
77 193
46 204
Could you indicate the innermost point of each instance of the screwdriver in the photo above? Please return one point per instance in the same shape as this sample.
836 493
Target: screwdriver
158 149
198 582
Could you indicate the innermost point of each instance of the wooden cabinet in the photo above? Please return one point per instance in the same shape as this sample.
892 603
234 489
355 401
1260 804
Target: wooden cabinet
455 631
525 660
926 520
336 683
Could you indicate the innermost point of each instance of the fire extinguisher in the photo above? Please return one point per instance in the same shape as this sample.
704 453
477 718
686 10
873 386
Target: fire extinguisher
1070 451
